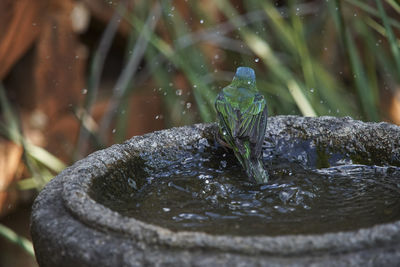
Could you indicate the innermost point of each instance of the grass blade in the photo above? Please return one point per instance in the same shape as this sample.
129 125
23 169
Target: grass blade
390 34
395 5
96 69
372 11
44 157
121 87
11 236
301 101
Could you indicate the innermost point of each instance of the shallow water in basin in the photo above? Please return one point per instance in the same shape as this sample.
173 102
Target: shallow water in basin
208 192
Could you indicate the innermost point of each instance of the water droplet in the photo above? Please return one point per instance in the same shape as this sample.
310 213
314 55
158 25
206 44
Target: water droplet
178 92
114 130
203 142
205 176
166 209
257 60
223 163
84 91
132 183
201 21
285 196
312 90
188 105
248 82
195 86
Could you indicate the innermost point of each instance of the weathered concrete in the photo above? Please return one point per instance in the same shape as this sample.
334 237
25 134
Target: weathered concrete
70 229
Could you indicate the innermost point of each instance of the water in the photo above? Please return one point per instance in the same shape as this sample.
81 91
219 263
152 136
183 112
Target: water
209 192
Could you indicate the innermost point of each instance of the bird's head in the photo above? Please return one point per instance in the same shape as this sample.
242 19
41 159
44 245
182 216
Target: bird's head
245 76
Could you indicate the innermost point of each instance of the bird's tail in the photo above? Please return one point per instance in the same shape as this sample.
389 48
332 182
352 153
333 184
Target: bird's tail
254 169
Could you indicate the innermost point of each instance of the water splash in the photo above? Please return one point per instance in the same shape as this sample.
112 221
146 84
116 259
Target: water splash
205 191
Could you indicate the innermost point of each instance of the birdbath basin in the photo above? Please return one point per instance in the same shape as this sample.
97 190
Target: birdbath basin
175 197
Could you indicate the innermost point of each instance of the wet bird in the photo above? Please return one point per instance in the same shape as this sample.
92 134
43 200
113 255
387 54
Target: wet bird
242 114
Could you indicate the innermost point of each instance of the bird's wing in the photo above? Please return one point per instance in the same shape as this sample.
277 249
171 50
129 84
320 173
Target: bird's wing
251 124
227 117
254 124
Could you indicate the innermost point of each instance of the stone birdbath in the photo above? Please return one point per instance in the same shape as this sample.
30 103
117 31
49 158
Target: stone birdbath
176 198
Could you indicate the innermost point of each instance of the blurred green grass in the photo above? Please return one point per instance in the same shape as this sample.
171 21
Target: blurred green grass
311 58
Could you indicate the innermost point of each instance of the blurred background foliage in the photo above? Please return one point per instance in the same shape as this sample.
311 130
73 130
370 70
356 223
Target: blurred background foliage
80 75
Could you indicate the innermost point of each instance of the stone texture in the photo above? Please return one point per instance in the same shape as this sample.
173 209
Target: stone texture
70 229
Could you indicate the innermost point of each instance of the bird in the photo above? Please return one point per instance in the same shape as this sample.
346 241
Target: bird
242 114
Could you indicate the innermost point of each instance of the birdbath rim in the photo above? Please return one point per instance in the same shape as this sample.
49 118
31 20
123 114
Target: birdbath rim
77 200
